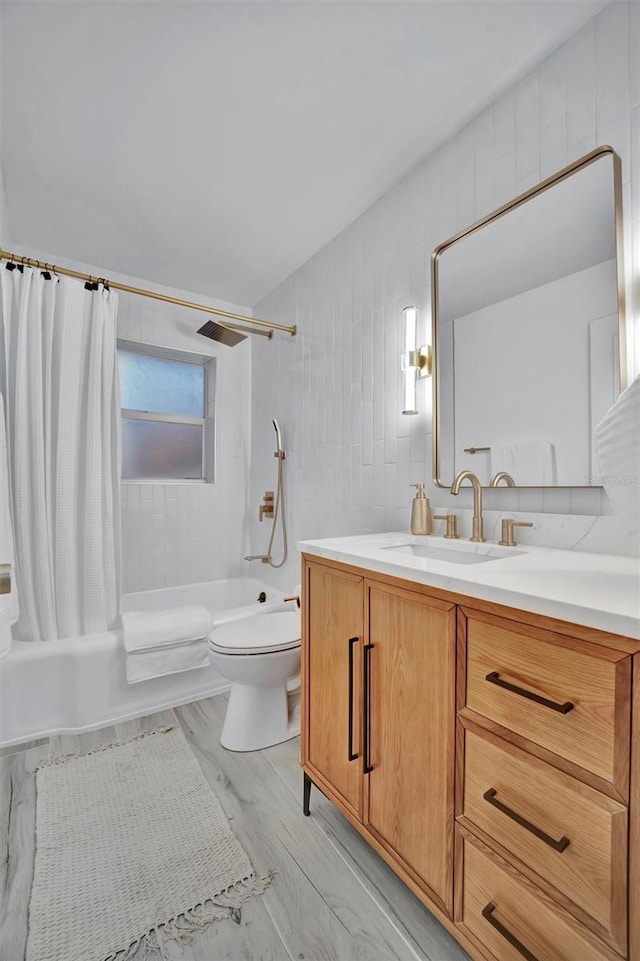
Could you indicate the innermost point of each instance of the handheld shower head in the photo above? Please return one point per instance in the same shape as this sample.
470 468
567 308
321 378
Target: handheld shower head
278 435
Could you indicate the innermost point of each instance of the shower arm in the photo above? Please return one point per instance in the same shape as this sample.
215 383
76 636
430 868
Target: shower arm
246 330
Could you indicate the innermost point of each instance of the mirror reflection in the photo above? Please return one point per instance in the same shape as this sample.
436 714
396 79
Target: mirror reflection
527 325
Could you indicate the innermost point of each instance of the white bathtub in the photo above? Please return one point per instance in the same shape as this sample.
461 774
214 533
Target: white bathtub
78 684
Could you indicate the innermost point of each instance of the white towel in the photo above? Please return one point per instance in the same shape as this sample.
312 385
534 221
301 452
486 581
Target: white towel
531 463
165 642
170 659
9 609
617 450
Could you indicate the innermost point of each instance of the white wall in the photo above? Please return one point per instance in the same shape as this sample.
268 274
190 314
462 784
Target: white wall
183 533
5 236
336 387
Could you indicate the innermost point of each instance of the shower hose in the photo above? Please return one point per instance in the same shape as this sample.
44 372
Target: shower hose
278 508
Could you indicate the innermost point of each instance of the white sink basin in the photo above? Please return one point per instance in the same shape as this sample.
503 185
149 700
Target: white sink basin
465 553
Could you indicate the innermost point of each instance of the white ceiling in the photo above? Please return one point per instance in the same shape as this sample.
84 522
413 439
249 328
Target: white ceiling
216 146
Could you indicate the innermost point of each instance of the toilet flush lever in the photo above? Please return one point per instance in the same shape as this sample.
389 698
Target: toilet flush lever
294 597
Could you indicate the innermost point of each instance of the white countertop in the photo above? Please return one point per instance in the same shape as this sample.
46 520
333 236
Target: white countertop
596 590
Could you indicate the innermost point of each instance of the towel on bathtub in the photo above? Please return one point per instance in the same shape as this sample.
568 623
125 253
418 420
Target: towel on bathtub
165 642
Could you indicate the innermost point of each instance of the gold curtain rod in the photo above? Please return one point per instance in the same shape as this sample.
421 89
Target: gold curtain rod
30 262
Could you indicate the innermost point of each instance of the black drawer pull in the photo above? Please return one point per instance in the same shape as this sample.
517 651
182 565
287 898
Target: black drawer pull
494 678
487 914
352 756
368 767
560 845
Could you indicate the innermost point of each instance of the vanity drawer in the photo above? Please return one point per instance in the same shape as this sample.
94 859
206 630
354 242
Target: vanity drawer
572 699
507 915
515 798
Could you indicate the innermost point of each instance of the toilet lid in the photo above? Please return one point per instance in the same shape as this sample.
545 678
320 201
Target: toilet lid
260 634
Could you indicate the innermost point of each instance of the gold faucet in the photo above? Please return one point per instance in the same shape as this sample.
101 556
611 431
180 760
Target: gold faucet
478 524
451 525
507 539
5 578
502 476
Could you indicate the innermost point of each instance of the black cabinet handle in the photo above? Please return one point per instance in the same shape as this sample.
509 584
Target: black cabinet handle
560 845
494 678
368 767
487 914
350 752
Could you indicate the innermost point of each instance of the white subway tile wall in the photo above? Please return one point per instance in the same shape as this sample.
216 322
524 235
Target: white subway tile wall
336 387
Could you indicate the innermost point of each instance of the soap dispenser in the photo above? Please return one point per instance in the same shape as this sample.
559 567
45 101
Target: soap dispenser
420 512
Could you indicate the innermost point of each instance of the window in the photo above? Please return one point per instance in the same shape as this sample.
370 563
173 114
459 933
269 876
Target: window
167 421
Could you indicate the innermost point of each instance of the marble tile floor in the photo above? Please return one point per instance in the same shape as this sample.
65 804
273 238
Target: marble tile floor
332 897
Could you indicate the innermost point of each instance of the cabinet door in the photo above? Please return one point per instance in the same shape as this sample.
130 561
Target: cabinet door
411 731
333 680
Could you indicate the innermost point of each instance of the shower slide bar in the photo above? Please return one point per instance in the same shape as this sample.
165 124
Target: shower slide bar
19 260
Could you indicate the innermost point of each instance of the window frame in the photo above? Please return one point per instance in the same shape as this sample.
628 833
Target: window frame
206 422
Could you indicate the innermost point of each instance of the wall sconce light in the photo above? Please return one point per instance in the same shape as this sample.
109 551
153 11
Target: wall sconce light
415 362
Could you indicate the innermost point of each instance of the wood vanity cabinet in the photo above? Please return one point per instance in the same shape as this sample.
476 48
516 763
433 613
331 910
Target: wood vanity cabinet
334 657
491 757
379 716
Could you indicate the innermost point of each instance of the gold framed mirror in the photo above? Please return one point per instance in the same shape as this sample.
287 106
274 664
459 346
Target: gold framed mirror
528 322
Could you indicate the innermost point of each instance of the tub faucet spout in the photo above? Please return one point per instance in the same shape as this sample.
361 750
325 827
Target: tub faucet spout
257 557
478 523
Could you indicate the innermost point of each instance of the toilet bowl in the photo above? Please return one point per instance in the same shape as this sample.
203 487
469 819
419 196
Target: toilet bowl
260 655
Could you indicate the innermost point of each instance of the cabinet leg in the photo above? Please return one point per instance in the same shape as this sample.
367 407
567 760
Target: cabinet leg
306 795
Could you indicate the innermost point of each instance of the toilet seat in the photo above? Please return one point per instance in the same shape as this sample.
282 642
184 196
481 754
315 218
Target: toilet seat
260 634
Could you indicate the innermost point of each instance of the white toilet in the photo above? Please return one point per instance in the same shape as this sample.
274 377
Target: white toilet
260 655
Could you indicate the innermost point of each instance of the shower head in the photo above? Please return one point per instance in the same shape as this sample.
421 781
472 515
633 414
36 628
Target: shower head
227 334
221 333
278 435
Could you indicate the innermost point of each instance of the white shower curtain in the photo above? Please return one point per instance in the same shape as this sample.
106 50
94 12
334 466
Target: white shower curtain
59 379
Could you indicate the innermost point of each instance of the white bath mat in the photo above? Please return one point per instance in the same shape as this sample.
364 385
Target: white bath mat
133 849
